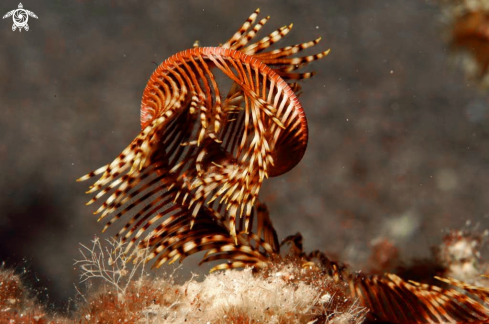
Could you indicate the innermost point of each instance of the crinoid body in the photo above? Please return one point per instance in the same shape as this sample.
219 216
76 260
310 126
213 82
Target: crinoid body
202 156
189 181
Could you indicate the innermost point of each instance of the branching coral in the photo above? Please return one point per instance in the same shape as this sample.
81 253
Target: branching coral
110 265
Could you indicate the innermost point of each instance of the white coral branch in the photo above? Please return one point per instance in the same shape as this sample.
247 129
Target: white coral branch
110 263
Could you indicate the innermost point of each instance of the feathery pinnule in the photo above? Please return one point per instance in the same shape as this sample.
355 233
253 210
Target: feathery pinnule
198 149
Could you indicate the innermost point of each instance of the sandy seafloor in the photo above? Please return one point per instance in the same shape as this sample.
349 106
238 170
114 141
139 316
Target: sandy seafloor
398 136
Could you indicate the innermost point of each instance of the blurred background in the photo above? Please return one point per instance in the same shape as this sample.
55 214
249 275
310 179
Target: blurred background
398 135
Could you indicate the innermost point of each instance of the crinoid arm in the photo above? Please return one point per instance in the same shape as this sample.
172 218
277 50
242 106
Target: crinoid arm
280 57
391 299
